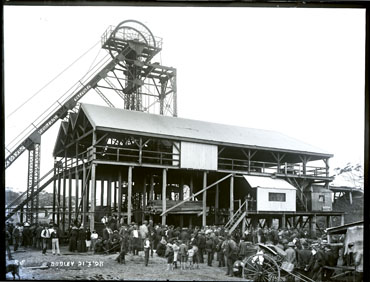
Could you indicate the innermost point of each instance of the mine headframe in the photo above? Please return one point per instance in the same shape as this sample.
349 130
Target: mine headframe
143 86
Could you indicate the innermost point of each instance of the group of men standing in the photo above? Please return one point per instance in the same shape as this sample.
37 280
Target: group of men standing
38 236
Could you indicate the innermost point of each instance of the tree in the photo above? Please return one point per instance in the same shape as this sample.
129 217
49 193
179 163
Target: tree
352 173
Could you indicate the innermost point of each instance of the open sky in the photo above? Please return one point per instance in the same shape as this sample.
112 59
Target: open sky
297 71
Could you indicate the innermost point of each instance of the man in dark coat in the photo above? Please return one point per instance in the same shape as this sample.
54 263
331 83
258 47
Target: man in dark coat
7 242
220 252
27 235
152 235
16 236
73 239
243 249
107 237
317 263
230 251
209 249
201 244
81 244
38 237
124 249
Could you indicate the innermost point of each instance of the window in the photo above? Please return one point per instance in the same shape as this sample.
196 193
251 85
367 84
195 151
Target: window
321 198
277 197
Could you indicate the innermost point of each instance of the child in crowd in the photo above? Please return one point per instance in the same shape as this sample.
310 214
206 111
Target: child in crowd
183 250
94 238
191 256
195 257
169 254
176 249
146 250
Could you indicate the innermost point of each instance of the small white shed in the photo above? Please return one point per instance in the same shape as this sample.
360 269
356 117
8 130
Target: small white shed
273 194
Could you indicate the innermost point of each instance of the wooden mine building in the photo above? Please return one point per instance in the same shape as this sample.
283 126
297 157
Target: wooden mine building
143 166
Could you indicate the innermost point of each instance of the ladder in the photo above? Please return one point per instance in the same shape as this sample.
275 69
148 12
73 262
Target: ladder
235 220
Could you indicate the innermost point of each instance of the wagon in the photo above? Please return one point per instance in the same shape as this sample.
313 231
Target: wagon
268 265
354 233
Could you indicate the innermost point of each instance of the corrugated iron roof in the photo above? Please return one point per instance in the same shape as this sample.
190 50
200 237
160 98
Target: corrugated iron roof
268 182
193 130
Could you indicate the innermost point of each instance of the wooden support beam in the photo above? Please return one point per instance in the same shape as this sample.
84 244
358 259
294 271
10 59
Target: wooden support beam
115 196
283 220
102 182
140 150
70 197
231 196
64 194
109 195
144 199
93 198
326 161
328 221
54 190
119 193
101 138
204 200
305 222
217 203
181 196
196 194
74 141
151 193
129 195
76 183
164 198
191 186
83 195
288 222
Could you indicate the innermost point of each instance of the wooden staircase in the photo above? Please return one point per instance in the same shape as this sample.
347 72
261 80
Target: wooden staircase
238 216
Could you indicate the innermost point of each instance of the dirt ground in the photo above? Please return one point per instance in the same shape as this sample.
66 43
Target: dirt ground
88 266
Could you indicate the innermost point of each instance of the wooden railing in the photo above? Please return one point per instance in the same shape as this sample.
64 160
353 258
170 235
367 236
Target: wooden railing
136 155
270 167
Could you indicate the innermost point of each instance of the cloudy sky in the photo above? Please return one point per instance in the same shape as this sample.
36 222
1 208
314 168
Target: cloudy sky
297 71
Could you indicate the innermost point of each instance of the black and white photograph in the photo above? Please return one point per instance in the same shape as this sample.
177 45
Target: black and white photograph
184 143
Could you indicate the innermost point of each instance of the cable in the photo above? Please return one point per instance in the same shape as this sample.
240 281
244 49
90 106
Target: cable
94 60
34 95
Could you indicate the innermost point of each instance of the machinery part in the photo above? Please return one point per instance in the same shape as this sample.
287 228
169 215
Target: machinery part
261 267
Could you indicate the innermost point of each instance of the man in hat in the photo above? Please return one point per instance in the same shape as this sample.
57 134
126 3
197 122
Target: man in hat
16 235
45 234
7 242
317 262
290 258
243 249
220 252
55 234
209 249
201 244
144 232
230 251
136 241
290 253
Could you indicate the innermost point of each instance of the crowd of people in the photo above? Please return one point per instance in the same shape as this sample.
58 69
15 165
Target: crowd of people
187 247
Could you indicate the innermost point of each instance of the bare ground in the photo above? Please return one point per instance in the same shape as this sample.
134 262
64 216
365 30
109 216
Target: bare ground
88 266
